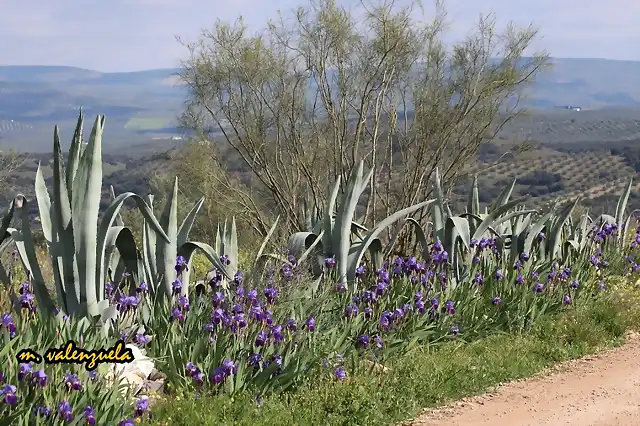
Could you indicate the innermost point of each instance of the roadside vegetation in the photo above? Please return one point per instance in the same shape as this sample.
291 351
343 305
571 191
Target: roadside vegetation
341 284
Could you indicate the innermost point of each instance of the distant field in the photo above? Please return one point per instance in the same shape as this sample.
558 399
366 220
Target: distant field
148 123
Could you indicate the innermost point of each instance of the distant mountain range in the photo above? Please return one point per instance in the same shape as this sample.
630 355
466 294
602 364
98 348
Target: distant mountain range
39 93
588 83
145 104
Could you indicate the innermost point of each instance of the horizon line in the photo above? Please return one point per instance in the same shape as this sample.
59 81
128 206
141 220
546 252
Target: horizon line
177 68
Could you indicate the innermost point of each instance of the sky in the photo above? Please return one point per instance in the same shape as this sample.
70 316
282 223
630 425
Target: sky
130 35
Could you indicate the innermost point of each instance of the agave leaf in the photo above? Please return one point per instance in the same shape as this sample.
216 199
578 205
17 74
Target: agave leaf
522 224
456 227
491 218
56 249
474 220
438 214
525 240
187 223
4 225
364 182
329 218
112 257
112 193
108 316
27 252
86 194
299 242
62 244
44 204
218 243
449 213
106 224
75 151
302 244
341 235
376 253
117 270
150 273
622 203
381 226
263 246
504 196
121 239
607 218
573 244
231 248
187 250
473 204
507 217
355 226
519 230
227 244
394 238
8 241
584 223
149 252
555 239
318 242
167 251
185 278
421 236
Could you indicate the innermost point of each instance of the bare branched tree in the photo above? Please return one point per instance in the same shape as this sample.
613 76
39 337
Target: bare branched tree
303 100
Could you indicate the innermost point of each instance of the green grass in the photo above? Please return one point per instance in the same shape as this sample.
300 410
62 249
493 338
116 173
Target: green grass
420 379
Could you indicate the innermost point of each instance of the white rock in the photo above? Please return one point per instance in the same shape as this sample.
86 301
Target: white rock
134 373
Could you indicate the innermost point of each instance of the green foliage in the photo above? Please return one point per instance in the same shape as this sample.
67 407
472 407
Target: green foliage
335 237
80 246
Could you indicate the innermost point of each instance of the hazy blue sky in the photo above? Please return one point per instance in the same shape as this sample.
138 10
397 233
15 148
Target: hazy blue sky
127 35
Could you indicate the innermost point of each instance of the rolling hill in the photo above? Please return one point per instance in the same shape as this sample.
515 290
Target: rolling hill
143 106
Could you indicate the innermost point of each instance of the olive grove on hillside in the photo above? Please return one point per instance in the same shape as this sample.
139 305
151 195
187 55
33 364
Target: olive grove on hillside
317 90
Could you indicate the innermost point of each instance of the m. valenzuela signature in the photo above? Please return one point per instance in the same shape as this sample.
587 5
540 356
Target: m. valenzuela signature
70 353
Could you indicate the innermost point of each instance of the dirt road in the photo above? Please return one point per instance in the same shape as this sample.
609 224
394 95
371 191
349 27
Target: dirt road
601 390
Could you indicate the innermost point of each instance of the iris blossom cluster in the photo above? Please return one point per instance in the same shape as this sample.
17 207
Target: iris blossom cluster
30 379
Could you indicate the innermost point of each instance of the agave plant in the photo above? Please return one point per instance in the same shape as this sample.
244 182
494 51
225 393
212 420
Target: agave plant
227 246
159 256
514 228
620 222
456 233
79 244
579 236
335 238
